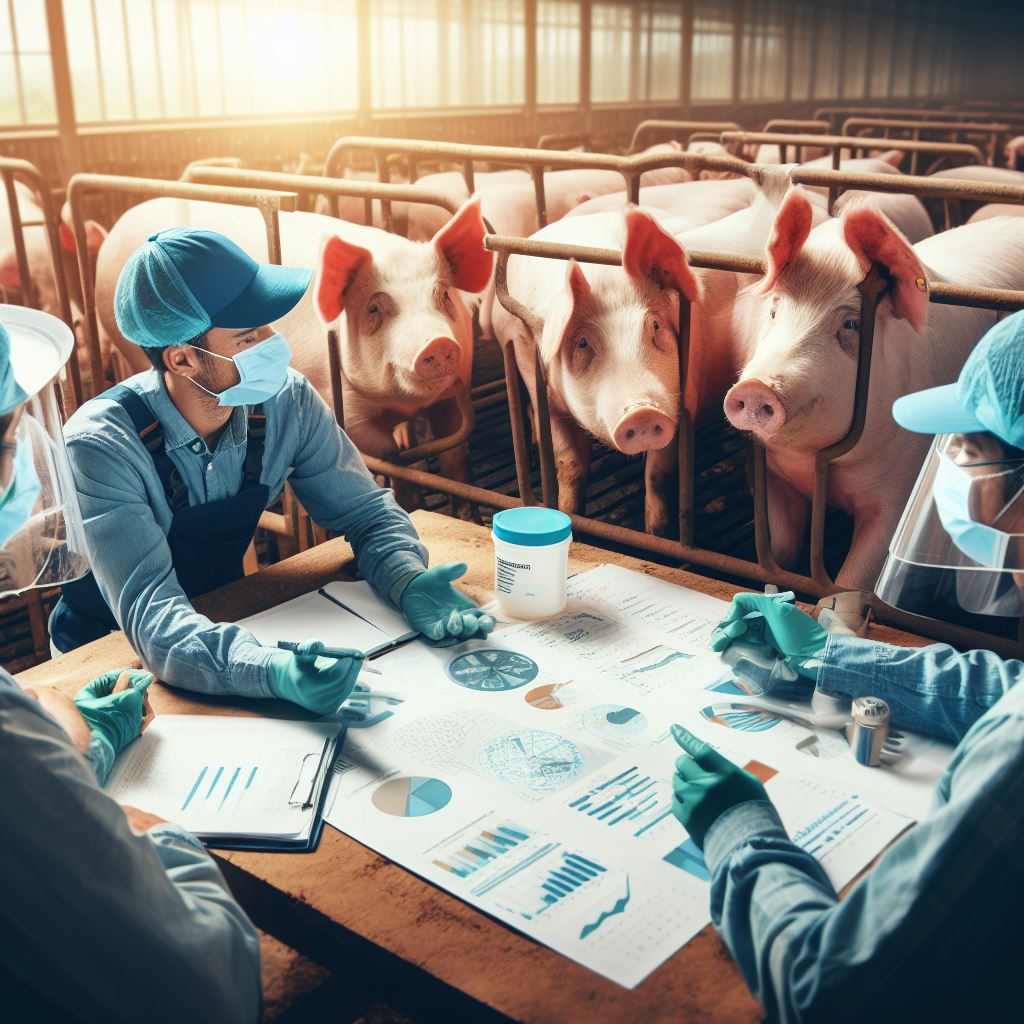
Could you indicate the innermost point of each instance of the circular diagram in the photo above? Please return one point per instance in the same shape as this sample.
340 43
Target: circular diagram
544 698
492 669
614 721
411 796
533 759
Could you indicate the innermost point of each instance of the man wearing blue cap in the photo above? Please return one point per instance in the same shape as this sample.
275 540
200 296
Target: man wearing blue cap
175 466
933 932
104 909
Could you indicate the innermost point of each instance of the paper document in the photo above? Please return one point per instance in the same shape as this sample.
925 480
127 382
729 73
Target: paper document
228 777
530 773
339 614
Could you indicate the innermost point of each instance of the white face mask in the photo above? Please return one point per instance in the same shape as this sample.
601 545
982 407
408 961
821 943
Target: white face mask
262 372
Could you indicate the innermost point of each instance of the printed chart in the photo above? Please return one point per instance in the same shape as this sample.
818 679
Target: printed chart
492 669
214 786
630 800
532 759
614 721
484 848
411 797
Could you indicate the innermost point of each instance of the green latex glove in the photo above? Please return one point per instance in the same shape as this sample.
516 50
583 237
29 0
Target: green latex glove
763 619
706 785
115 719
441 612
320 684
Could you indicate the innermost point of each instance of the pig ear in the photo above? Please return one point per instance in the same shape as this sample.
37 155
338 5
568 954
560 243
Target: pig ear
67 238
652 254
792 226
460 244
576 283
340 264
873 239
94 236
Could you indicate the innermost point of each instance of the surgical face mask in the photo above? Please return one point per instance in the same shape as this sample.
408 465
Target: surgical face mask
952 489
19 500
262 372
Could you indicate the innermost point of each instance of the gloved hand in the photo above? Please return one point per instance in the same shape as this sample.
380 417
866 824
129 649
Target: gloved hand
764 619
441 612
319 684
116 709
706 785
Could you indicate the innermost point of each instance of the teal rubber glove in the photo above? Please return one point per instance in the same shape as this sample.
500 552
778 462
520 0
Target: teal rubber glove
320 684
706 785
114 719
764 619
441 612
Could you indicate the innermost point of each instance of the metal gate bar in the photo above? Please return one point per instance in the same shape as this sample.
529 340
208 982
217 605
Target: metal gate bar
21 170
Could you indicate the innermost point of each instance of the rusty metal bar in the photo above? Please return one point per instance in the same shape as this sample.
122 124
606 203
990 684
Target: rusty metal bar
81 185
680 131
334 369
685 428
31 176
995 133
782 124
856 143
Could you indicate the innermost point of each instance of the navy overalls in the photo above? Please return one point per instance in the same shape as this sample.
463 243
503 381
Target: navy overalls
207 542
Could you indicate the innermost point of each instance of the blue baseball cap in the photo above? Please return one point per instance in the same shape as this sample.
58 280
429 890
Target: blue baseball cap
989 396
181 282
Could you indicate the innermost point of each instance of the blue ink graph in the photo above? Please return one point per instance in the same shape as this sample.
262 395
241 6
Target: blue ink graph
688 857
614 721
532 759
834 825
533 886
736 687
741 717
628 800
483 849
209 794
619 907
411 796
492 669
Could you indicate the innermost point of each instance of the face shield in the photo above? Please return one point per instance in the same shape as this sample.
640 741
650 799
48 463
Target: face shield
42 539
960 542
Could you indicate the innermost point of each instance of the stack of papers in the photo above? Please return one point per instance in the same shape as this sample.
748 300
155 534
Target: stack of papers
339 614
236 783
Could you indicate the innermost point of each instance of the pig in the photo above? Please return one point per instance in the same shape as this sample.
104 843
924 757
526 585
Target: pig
694 202
563 190
799 331
996 210
406 339
1014 151
608 338
37 251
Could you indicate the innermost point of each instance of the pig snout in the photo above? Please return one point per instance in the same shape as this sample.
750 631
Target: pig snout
643 429
752 405
437 359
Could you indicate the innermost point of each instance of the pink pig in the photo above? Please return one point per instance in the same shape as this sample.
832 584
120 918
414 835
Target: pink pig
800 327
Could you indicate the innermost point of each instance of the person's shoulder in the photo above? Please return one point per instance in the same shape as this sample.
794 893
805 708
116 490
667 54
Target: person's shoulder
103 417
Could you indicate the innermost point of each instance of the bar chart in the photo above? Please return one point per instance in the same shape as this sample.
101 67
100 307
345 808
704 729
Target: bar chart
629 800
213 786
483 849
544 880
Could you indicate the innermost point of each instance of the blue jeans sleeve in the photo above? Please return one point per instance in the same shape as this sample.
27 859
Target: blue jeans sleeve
935 690
334 485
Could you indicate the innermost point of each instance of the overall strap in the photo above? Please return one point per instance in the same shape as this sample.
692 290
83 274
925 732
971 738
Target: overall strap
255 443
151 434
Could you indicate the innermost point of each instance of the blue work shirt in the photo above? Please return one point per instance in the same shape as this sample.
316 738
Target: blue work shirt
933 932
127 518
99 922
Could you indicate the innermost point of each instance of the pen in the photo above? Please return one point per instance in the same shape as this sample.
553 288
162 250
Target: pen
327 652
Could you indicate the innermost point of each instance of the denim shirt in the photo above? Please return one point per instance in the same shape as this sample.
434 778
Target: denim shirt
99 922
933 931
127 519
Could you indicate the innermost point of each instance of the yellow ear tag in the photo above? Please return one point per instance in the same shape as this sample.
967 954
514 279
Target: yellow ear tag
921 285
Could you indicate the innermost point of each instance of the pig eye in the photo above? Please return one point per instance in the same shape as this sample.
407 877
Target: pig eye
772 313
449 306
657 326
851 325
582 343
373 309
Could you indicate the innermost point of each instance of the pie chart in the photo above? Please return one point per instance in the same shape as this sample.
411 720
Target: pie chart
492 669
411 796
614 720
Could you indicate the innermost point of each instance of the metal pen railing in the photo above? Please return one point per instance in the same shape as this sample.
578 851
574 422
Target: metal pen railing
12 171
955 131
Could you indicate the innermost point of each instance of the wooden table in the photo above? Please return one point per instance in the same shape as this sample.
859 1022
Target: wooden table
355 911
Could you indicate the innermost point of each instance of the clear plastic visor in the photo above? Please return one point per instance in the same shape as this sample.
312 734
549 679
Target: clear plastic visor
966 517
48 548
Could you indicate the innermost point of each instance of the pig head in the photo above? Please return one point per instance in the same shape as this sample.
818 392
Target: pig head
609 342
802 325
408 341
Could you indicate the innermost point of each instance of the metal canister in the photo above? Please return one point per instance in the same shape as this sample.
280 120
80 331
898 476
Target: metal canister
870 730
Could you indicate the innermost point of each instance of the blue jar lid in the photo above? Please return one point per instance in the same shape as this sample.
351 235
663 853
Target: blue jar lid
531 527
